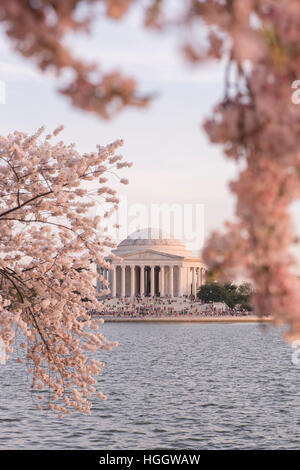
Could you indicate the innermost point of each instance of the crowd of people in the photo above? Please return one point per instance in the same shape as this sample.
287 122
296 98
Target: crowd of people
140 307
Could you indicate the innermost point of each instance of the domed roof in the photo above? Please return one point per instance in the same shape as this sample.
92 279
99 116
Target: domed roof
151 239
149 233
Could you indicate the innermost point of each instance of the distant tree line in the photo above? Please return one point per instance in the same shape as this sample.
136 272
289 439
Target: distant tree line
231 294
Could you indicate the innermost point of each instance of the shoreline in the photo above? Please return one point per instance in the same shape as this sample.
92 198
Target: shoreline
186 319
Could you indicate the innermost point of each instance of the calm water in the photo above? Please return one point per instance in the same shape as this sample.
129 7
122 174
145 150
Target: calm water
171 386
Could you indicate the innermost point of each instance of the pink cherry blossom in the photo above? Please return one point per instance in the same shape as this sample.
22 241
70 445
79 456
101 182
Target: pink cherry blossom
50 245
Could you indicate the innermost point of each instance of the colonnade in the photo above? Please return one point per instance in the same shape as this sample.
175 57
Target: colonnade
161 280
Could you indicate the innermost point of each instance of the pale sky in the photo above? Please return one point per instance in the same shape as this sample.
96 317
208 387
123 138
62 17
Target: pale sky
173 161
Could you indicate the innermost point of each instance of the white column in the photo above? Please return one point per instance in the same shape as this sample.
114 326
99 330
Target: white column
152 280
198 283
171 290
179 291
188 288
193 282
162 281
142 281
114 278
132 281
104 278
123 281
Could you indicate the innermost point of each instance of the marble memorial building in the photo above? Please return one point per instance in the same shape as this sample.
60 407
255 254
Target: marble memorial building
151 264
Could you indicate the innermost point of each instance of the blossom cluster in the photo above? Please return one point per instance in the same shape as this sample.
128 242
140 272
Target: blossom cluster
38 30
49 247
257 125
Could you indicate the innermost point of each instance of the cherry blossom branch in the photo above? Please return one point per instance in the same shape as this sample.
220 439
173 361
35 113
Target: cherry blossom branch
44 240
